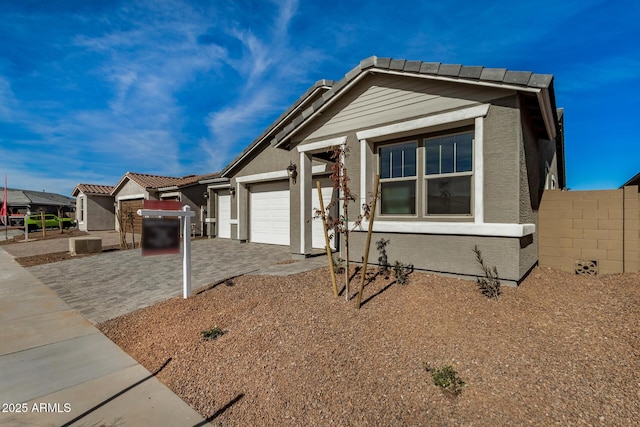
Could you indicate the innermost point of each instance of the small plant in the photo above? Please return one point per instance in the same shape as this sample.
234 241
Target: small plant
401 272
490 284
212 333
338 264
383 261
446 378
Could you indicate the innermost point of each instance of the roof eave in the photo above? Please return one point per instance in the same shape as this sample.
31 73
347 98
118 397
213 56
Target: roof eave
213 180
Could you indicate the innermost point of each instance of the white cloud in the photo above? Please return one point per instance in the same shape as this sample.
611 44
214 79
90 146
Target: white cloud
7 99
237 123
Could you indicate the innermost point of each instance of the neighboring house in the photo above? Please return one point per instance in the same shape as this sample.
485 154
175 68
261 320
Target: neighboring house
22 202
133 188
131 191
633 181
192 191
95 208
464 154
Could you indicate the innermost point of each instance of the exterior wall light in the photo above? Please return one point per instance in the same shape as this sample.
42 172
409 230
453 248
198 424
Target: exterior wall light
292 172
232 191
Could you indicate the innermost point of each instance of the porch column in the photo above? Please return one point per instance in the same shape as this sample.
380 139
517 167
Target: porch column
242 197
478 171
306 215
210 213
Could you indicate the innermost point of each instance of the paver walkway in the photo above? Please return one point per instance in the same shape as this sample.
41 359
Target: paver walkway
111 284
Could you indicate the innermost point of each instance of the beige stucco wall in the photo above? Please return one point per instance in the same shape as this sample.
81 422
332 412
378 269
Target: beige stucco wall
100 213
600 226
130 188
447 254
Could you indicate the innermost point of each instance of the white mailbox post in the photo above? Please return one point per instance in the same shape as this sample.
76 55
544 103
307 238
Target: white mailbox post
186 215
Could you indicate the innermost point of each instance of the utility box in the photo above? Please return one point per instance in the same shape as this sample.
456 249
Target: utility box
85 245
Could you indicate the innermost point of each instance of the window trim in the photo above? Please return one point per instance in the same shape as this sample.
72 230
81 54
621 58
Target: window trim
426 177
413 178
83 205
454 118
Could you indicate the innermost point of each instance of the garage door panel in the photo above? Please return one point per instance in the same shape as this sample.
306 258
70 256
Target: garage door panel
269 213
224 216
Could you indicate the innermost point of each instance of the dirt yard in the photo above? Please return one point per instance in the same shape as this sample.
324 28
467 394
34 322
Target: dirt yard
558 350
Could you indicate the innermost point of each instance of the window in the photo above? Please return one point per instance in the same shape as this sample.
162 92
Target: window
448 174
81 213
435 172
398 179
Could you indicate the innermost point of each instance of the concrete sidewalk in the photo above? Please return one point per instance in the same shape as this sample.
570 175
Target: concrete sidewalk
57 369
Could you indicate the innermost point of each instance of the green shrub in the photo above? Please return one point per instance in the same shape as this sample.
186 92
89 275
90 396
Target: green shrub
212 333
490 284
383 262
446 378
401 272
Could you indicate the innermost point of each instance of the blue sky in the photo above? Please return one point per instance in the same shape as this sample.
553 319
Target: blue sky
91 89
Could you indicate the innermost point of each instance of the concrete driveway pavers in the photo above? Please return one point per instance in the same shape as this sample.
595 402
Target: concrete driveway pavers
115 283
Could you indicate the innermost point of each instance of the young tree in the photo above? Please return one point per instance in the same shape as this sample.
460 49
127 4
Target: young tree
340 224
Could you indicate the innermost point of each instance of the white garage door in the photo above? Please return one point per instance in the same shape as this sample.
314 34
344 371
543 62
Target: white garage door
269 213
224 216
317 233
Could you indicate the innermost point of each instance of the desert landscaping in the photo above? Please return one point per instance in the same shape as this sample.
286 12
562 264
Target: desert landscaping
560 349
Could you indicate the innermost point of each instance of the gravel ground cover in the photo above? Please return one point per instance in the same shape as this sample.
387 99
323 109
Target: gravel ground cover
559 350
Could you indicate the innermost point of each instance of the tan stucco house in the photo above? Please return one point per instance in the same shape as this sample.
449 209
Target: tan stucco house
191 190
464 154
94 207
134 188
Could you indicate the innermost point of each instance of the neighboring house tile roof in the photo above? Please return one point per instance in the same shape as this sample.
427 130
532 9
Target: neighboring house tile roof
92 189
283 127
16 197
162 183
151 181
194 179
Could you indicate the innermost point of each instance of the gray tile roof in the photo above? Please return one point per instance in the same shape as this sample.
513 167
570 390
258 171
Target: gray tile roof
16 197
188 181
282 127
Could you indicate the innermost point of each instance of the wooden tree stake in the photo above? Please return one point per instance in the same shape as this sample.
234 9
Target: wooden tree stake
366 248
43 224
326 241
